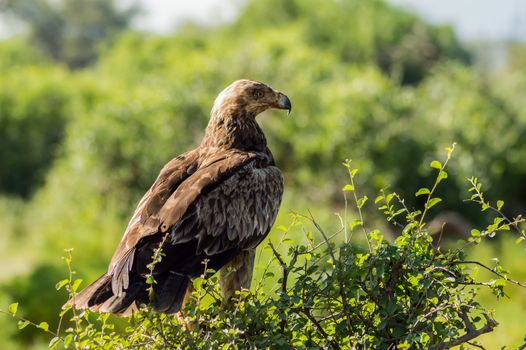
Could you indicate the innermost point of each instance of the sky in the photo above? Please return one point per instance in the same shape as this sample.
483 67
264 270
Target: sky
492 20
489 20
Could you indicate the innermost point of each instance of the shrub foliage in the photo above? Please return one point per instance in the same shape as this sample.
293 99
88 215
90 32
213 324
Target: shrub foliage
334 294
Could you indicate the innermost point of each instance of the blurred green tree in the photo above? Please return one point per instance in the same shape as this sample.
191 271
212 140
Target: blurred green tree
71 31
368 81
34 107
399 42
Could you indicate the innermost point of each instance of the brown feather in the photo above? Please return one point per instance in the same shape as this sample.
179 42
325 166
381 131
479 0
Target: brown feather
217 202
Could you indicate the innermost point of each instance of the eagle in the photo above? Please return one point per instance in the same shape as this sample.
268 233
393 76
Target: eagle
209 207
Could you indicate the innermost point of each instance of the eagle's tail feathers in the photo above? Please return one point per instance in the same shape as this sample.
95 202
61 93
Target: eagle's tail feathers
120 303
91 294
169 292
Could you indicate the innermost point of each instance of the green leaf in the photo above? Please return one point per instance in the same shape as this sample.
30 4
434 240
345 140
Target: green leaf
355 223
44 326
23 324
432 202
436 164
362 201
61 284
54 342
422 191
76 284
348 188
282 228
500 204
441 176
67 340
13 308
198 283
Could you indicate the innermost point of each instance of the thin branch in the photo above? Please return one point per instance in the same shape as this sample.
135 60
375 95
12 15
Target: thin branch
320 329
506 278
320 230
472 333
476 345
355 195
286 271
514 223
269 262
437 181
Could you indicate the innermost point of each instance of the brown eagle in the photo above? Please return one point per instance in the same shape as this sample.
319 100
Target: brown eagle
215 203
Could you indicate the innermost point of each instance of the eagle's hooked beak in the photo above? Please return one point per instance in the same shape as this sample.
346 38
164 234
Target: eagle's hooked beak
284 102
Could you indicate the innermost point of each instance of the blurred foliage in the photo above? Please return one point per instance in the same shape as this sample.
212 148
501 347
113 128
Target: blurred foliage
41 282
329 293
70 31
401 44
33 114
368 81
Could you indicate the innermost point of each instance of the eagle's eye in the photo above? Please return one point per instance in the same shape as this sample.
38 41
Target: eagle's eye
258 94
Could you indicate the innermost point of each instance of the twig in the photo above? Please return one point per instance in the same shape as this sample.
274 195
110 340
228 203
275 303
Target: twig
286 271
320 329
472 333
157 256
351 176
320 230
31 323
437 181
476 345
506 278
340 277
267 266
480 200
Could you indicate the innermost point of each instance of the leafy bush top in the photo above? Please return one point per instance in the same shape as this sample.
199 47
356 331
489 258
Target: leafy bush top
330 294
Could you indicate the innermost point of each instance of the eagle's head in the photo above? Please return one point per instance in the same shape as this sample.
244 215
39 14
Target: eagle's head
249 98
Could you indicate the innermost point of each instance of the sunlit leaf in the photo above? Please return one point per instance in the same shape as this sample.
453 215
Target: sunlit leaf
362 201
13 308
76 284
436 164
23 324
432 202
348 187
54 342
61 284
422 191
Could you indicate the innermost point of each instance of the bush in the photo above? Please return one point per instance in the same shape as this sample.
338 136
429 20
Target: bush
332 294
32 124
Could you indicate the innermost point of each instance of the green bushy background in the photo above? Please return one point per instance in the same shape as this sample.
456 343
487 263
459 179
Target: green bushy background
81 142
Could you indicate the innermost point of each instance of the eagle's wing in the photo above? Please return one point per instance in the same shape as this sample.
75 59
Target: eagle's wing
211 208
224 205
145 220
237 214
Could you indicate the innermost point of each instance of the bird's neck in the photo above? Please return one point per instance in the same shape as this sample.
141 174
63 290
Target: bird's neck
234 130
